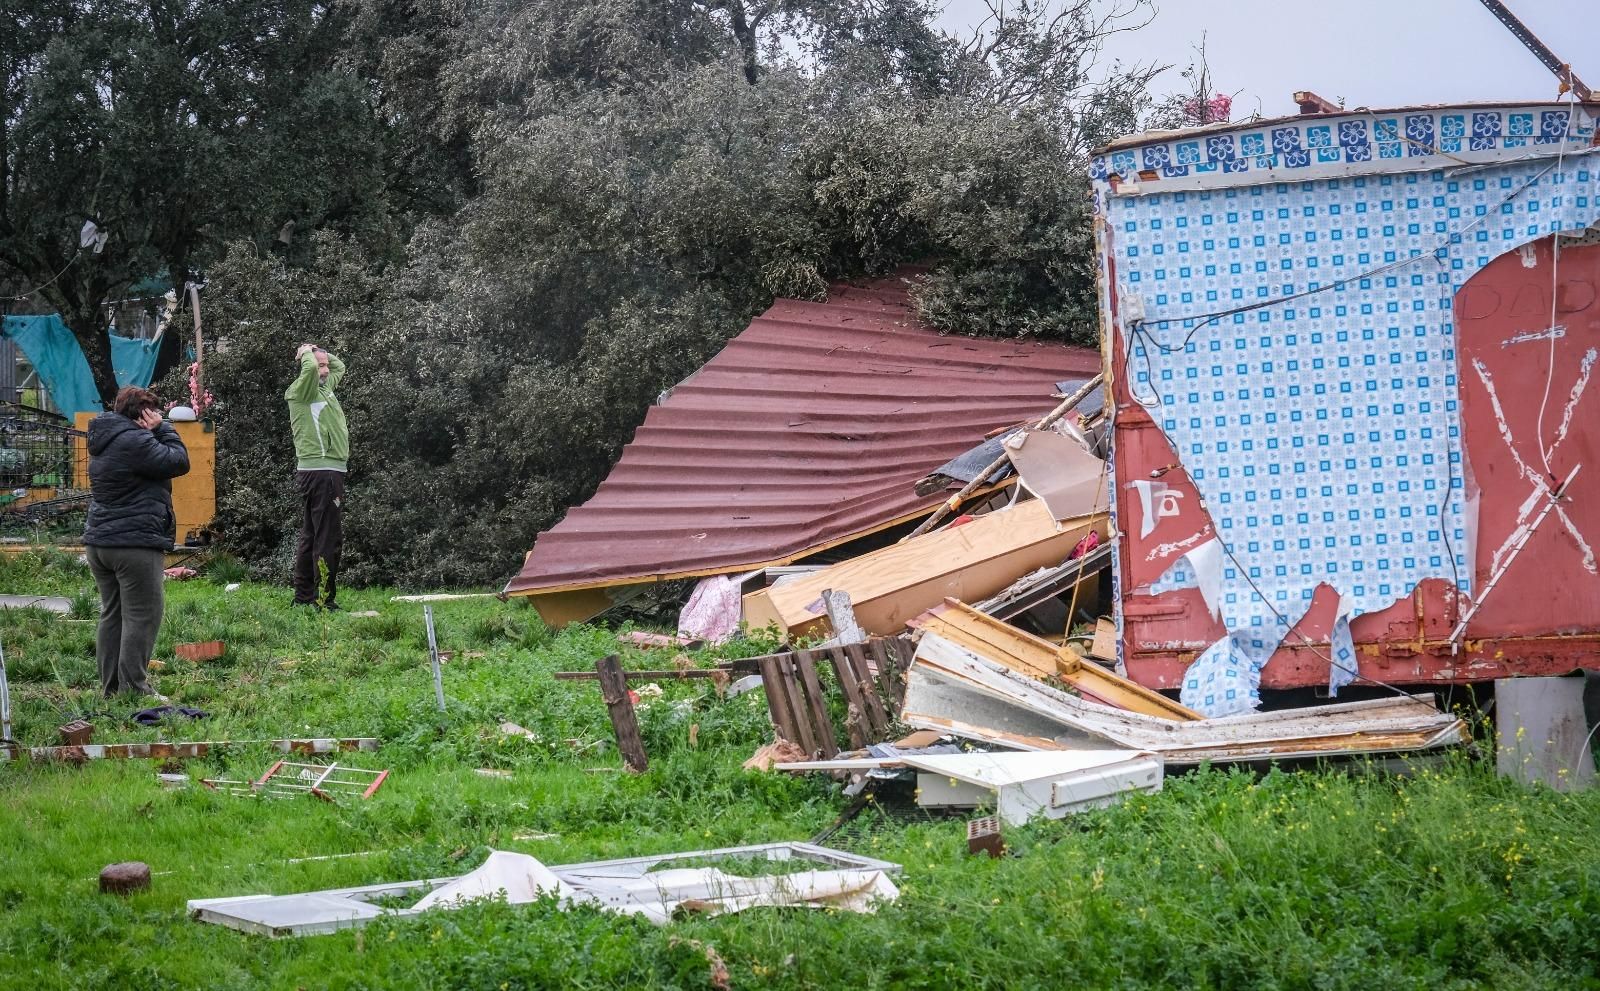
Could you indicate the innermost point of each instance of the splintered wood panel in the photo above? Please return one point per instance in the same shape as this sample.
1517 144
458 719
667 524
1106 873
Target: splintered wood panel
855 719
877 718
890 586
817 702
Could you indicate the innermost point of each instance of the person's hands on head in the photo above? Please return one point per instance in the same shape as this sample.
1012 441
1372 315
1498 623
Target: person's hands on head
149 419
300 352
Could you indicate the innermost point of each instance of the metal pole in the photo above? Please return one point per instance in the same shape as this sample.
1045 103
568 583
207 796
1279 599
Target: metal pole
433 653
5 698
1541 51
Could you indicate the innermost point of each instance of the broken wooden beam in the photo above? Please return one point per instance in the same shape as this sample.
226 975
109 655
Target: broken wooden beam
614 692
1029 655
640 638
161 750
744 665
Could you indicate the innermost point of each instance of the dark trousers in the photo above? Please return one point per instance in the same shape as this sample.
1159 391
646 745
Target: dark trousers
129 579
321 535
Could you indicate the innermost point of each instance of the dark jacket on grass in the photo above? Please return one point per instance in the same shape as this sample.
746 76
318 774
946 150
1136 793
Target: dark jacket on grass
130 473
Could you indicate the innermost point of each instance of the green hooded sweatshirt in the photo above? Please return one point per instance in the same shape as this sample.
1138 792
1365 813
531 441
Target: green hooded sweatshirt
321 438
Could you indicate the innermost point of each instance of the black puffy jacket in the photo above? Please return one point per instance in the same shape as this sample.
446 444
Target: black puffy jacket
130 487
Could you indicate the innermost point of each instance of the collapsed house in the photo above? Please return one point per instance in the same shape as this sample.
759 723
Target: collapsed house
1336 439
1350 356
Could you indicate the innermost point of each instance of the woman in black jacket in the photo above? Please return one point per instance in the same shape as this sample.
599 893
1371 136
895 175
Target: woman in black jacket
133 456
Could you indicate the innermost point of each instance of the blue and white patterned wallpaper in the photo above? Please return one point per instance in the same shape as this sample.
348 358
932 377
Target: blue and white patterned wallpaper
1298 149
1322 431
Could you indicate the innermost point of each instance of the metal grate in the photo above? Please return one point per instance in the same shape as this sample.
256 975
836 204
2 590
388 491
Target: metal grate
887 807
287 779
43 466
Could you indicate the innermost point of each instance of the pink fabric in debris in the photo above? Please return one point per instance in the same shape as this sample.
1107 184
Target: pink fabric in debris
1090 541
712 613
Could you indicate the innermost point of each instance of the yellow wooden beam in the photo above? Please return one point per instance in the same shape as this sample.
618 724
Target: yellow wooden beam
1027 654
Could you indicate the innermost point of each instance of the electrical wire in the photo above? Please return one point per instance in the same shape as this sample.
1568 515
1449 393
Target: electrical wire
51 281
1555 285
1306 641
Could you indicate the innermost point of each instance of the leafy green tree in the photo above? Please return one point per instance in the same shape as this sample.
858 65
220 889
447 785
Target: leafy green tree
174 126
596 194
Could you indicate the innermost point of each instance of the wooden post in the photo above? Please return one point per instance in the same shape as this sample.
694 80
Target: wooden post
614 691
199 346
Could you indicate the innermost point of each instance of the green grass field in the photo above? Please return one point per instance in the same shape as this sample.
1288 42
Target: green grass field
1328 878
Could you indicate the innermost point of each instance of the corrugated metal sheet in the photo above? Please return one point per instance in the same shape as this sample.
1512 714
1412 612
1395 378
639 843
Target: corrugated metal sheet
810 428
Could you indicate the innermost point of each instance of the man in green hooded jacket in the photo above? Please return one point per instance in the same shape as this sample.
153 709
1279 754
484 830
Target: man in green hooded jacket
321 449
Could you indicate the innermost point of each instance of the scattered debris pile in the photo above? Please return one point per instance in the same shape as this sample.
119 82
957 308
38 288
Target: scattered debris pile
1263 489
990 636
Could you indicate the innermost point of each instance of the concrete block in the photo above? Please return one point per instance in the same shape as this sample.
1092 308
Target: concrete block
1542 733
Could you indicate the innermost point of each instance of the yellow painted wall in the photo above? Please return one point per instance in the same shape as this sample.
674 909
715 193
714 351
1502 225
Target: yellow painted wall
194 496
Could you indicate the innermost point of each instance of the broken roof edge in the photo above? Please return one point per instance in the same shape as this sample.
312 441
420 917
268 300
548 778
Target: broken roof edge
1153 137
601 583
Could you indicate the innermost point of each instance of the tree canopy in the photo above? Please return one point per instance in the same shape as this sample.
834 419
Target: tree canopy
174 127
518 221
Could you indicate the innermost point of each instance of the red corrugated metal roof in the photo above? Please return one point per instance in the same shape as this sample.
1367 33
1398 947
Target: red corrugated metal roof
810 427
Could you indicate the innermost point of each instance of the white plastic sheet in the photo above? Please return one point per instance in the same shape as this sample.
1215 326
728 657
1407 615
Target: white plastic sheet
516 877
631 886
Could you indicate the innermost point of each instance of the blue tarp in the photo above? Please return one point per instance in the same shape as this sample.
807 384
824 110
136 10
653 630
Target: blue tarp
56 356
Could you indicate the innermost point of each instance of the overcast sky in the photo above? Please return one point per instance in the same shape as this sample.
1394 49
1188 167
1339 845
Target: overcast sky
1376 53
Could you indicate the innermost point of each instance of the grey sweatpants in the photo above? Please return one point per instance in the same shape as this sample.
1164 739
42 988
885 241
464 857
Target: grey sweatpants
129 579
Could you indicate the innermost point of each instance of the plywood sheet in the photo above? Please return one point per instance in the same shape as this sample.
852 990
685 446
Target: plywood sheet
891 586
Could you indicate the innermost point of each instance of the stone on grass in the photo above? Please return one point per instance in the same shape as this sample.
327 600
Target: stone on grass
125 878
